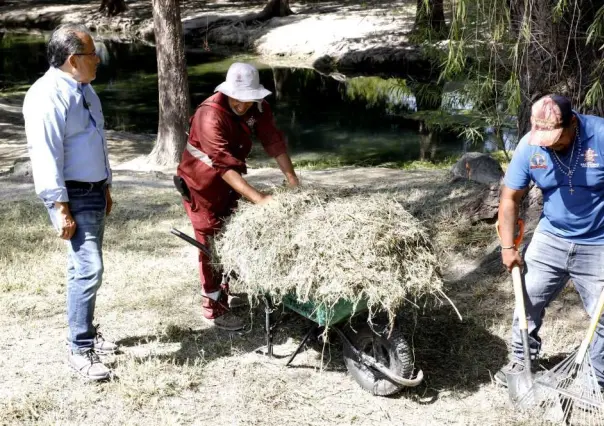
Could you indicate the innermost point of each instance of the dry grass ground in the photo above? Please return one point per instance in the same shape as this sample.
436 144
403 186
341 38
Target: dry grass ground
174 369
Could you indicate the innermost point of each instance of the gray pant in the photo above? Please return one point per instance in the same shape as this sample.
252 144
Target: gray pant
549 263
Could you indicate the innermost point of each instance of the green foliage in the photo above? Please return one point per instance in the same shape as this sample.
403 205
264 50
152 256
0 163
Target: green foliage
511 90
594 94
423 165
456 61
502 157
427 95
560 9
376 91
491 47
595 32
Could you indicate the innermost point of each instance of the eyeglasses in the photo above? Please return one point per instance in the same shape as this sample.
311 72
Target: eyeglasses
85 54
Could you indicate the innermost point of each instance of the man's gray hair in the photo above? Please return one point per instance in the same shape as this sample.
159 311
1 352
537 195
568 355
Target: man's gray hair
65 41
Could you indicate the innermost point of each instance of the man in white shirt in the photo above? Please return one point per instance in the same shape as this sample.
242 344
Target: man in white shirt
64 125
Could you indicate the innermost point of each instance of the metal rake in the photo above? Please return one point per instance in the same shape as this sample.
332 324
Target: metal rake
569 393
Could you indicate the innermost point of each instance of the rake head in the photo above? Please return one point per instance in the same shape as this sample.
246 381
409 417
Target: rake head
567 394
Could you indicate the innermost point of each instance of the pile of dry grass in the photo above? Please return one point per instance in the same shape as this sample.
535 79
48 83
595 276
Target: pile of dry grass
324 246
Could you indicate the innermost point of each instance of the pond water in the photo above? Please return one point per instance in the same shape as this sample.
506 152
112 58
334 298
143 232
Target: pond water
327 122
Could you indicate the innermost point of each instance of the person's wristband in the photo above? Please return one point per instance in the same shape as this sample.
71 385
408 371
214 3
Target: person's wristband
508 247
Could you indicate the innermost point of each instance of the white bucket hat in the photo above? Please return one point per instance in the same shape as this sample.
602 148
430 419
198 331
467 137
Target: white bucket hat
243 83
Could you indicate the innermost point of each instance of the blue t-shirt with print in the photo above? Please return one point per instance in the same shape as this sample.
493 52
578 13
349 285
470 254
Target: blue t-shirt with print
576 216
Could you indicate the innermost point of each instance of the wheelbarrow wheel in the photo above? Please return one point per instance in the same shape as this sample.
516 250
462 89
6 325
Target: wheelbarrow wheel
393 352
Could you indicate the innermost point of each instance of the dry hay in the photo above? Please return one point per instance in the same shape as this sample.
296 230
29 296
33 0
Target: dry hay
324 246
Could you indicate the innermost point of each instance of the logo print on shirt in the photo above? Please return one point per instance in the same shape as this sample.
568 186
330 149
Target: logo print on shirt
538 161
590 159
250 122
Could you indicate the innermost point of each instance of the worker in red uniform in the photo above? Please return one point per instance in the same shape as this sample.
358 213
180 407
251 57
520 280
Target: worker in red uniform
212 165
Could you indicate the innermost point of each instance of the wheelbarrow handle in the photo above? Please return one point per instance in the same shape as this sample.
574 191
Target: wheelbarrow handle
204 249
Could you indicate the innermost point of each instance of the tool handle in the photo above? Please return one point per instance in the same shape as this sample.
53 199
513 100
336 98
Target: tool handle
205 250
595 319
519 297
521 310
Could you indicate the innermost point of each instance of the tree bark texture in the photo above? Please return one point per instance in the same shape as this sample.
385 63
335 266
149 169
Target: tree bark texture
275 8
172 82
555 58
280 76
428 99
430 14
112 7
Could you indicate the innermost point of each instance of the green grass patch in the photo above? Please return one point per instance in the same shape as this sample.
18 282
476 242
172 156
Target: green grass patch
335 162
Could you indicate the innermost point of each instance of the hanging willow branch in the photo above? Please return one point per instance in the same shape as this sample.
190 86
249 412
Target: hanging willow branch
507 54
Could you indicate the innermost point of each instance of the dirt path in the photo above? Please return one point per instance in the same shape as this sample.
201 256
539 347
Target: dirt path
346 35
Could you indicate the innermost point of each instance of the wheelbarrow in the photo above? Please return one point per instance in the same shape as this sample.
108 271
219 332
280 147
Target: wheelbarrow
381 363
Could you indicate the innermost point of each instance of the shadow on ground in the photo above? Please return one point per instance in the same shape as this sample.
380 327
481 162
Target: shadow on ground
208 344
455 355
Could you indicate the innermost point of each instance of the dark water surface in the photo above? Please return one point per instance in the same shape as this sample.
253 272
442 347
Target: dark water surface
327 122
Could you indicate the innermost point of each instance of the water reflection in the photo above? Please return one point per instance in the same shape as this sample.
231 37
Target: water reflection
358 121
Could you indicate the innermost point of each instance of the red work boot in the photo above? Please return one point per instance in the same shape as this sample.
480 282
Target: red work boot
219 315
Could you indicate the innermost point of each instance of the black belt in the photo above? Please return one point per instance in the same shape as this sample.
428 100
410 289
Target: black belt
74 184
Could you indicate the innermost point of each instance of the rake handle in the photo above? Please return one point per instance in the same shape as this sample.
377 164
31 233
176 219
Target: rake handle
595 319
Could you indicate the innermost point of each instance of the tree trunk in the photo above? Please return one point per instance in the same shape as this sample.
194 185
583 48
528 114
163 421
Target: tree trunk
498 135
427 143
275 8
112 7
428 97
172 83
430 14
280 76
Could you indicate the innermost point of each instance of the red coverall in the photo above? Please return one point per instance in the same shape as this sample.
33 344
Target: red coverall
220 140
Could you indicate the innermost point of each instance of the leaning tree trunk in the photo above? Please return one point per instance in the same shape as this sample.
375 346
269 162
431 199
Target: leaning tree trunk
275 8
172 83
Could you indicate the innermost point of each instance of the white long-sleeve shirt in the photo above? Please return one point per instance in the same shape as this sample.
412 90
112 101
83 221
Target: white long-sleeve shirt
64 126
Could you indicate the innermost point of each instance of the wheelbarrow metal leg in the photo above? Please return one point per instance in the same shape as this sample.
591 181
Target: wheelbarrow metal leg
299 348
268 310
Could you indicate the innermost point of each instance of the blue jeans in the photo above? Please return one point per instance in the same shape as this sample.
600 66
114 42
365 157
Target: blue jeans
549 263
85 262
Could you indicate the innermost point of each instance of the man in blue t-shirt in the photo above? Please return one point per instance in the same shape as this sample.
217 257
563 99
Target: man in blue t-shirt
564 155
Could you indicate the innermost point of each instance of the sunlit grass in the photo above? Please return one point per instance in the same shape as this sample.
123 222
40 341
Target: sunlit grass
335 161
172 361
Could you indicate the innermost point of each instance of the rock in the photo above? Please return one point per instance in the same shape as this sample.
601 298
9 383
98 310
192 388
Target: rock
325 64
478 167
532 207
485 206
